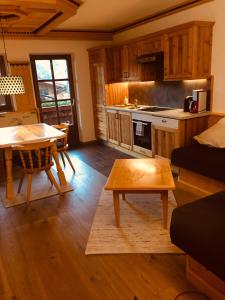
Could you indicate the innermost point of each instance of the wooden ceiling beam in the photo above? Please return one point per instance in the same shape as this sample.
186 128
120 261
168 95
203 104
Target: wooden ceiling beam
61 35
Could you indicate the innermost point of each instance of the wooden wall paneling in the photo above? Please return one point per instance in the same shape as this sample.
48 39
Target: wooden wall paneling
115 93
27 101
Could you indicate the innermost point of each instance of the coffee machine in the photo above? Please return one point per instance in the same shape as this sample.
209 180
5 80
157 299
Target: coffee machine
199 101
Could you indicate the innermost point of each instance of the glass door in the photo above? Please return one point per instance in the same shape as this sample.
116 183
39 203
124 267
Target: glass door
54 88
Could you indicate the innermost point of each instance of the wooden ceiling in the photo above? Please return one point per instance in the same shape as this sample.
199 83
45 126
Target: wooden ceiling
37 19
45 19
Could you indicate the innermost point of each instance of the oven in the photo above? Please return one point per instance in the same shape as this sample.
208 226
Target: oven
142 135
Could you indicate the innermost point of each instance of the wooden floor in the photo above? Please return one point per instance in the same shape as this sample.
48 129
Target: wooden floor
42 246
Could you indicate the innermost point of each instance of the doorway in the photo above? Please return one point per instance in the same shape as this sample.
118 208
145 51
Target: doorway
55 94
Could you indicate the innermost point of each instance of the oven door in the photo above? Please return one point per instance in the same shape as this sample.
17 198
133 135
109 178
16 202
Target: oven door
142 134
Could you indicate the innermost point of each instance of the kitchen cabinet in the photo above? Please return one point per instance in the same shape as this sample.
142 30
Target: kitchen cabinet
187 51
119 128
150 45
167 134
130 70
98 79
113 128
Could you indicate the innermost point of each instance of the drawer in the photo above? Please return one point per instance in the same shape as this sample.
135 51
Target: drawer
166 122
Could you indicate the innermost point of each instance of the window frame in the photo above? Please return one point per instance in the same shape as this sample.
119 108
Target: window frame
8 106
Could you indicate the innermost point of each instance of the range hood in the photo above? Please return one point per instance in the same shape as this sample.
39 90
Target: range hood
152 66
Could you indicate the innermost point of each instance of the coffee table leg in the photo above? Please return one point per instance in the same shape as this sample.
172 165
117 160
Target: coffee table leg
164 197
116 202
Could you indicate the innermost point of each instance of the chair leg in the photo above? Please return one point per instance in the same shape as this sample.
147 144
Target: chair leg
53 181
69 160
21 182
29 182
63 160
48 177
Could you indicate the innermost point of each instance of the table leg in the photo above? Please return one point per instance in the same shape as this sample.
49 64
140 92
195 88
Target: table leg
164 197
60 172
9 178
123 196
116 202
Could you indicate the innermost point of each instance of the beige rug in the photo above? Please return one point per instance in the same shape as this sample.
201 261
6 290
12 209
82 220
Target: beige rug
141 228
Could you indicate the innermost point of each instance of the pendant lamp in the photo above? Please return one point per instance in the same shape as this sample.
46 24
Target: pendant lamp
10 85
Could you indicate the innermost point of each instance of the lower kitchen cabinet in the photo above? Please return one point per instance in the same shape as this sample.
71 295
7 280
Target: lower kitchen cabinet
113 128
125 130
165 139
119 128
100 123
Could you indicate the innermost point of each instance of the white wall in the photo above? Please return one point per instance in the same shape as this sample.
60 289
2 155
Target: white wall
211 11
19 50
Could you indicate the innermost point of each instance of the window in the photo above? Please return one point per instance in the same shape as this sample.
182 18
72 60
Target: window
54 88
5 101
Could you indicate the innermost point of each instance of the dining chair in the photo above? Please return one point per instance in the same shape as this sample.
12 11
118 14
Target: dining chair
62 145
34 158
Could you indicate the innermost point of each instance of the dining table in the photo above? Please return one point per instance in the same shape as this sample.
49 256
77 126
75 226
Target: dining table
27 134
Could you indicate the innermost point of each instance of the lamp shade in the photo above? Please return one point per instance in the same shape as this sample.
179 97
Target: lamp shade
11 85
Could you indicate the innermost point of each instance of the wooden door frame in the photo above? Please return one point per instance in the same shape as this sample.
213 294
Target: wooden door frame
34 57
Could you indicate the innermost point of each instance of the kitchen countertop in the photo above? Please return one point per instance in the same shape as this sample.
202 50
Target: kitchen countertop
178 114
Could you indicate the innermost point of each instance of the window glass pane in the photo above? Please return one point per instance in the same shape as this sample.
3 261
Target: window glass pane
46 90
63 89
43 68
49 113
60 69
65 112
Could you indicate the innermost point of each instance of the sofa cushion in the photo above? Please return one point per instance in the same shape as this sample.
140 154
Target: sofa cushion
207 161
214 136
198 229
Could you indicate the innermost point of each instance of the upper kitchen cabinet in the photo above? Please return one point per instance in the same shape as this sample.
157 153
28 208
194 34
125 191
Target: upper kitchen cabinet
130 70
187 51
151 44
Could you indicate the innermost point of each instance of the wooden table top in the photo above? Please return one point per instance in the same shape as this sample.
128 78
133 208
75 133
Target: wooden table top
25 134
140 175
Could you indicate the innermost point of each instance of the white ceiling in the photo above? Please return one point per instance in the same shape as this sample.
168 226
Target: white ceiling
106 15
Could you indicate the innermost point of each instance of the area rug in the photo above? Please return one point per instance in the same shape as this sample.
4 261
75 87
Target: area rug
140 230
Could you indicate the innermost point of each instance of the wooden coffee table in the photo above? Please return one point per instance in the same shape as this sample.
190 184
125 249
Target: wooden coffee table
151 175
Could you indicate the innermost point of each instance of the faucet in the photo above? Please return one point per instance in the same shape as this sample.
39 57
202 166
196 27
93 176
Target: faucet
136 103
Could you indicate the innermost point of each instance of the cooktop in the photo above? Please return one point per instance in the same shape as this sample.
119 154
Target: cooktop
155 108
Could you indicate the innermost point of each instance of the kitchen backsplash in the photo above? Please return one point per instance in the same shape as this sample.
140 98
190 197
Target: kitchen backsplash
166 93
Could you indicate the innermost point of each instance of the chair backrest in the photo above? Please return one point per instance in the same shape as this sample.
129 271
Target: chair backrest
36 156
64 127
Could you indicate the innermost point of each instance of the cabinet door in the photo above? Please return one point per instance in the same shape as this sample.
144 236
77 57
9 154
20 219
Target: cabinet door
130 69
113 128
134 68
164 140
124 63
151 45
101 124
178 54
112 65
125 130
204 51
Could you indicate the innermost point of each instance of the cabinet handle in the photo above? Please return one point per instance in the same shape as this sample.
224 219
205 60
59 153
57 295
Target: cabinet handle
164 121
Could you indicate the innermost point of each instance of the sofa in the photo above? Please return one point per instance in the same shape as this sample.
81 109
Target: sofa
204 160
198 229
